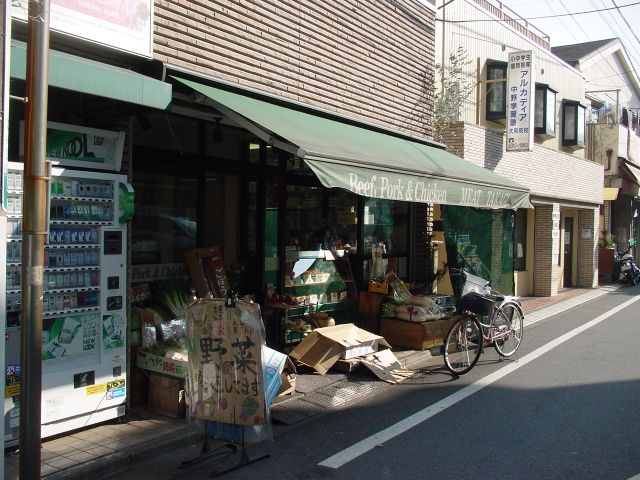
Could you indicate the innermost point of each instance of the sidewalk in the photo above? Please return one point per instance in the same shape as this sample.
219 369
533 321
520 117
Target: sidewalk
109 448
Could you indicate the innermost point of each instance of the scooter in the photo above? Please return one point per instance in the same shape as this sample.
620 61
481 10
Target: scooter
629 271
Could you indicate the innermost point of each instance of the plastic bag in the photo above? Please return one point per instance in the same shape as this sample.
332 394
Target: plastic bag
400 291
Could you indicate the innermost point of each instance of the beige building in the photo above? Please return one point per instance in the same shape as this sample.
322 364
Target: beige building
555 242
613 136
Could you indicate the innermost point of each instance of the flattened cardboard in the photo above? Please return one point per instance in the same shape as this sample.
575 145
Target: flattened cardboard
386 366
324 346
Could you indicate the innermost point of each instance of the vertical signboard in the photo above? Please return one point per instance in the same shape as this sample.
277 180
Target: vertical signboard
555 238
520 99
123 24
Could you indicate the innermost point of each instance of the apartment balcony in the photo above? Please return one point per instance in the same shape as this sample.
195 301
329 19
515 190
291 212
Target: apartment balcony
608 142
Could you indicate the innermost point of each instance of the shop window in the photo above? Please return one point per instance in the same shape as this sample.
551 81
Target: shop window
306 227
253 152
272 156
298 166
343 220
520 240
573 124
385 221
164 224
545 113
496 91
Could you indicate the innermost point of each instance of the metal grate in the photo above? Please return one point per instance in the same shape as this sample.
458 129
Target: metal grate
323 399
294 411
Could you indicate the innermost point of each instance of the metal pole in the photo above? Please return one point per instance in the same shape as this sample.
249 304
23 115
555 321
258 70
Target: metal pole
4 122
33 237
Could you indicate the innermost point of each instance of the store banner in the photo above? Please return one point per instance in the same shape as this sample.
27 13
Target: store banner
82 147
225 380
414 188
122 24
521 90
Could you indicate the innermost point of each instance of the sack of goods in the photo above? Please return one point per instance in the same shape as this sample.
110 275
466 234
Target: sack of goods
419 309
476 303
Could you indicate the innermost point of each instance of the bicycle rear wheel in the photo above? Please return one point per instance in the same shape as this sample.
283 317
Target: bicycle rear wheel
508 327
462 345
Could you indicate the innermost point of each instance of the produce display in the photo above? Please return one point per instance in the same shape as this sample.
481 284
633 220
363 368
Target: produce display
157 313
417 308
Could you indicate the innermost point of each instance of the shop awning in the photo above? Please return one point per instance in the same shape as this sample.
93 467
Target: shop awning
365 161
610 193
632 170
87 76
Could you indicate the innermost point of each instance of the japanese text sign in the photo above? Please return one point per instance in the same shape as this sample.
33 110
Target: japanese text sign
520 100
224 379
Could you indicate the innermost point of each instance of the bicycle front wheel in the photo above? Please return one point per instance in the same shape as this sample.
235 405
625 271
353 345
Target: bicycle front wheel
462 345
508 329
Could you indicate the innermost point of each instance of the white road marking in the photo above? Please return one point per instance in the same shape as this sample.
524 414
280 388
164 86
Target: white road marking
377 439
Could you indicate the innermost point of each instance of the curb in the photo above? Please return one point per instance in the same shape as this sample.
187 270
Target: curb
130 455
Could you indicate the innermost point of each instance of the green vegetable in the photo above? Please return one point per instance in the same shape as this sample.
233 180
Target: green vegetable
173 295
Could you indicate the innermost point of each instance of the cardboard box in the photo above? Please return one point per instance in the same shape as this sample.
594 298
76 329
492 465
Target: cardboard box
166 395
417 335
378 287
166 366
273 363
324 346
288 384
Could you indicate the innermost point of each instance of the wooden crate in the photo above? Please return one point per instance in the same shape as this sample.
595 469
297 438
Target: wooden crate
166 395
416 335
369 306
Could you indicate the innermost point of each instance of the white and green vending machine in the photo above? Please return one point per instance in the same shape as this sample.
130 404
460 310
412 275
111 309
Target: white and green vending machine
84 342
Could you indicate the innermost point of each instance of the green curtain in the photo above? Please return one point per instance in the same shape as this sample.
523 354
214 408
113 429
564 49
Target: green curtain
481 242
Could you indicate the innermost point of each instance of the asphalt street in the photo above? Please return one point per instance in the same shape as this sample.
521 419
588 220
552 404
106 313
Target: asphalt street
565 407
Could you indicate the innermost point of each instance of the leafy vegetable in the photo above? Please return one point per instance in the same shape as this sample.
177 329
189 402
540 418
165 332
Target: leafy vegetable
173 295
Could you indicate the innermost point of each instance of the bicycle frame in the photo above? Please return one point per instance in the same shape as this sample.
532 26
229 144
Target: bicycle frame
489 330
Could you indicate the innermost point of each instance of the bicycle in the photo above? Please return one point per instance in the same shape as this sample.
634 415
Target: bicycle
468 336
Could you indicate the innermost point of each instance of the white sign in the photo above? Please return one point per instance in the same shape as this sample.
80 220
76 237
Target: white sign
157 271
409 190
76 146
520 99
123 24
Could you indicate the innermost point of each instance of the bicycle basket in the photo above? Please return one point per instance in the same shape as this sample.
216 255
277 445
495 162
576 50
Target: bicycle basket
476 303
474 283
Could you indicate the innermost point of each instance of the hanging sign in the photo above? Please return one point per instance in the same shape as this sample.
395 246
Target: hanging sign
76 146
520 99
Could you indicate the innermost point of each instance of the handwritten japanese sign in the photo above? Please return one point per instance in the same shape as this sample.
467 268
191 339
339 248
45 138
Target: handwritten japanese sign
224 376
520 99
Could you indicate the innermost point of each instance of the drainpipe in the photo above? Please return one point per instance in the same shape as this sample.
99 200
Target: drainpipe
33 237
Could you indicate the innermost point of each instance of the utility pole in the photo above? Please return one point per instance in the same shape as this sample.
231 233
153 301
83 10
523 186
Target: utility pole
33 237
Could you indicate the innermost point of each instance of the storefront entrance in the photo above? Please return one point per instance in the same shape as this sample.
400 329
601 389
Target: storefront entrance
568 251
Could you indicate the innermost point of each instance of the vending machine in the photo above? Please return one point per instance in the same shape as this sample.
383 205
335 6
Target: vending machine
84 304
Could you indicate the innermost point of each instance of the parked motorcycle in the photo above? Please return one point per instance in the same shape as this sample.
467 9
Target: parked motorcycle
627 268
